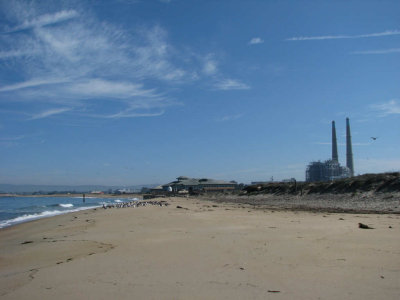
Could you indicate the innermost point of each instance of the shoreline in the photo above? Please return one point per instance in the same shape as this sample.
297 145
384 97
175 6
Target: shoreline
75 195
35 217
364 203
26 217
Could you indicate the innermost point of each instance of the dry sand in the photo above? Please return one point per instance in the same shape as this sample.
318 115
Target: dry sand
201 251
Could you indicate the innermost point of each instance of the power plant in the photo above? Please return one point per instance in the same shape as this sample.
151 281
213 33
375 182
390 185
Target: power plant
331 169
349 150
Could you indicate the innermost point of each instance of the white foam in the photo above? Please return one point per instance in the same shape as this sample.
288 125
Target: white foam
44 214
66 205
118 201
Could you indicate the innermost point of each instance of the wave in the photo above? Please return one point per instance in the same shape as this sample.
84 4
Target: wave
44 214
33 207
65 205
118 201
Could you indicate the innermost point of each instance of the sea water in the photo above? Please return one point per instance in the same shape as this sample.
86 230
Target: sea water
14 210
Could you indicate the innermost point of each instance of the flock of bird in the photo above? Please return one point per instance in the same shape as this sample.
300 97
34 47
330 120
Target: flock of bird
135 204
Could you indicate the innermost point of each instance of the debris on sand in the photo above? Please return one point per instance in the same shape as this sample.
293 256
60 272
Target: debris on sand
26 242
182 207
363 226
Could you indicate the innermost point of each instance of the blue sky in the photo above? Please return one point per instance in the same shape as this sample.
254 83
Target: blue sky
140 92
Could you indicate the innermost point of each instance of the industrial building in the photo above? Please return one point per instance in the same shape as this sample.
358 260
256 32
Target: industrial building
331 169
193 185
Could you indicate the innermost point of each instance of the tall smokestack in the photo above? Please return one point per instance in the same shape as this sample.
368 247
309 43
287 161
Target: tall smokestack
335 156
349 150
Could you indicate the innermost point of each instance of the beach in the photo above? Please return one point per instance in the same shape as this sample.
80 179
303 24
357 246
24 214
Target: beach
200 249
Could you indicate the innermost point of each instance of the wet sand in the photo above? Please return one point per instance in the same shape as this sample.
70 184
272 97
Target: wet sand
203 250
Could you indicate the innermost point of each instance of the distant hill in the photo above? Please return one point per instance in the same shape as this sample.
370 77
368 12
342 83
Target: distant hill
381 183
11 188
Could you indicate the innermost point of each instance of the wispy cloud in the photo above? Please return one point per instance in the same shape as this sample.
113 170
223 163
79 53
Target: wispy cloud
211 70
11 141
231 84
70 59
229 118
12 138
50 112
381 51
128 114
106 88
391 107
255 41
332 37
210 66
47 19
31 83
14 53
82 62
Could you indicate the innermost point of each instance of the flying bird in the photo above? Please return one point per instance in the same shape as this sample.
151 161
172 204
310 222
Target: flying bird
374 138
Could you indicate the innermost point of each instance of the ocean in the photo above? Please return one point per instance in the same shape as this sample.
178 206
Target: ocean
15 210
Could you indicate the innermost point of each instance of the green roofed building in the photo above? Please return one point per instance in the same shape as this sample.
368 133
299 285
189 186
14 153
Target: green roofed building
191 185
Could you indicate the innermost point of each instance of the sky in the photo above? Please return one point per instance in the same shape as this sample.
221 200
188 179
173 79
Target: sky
130 92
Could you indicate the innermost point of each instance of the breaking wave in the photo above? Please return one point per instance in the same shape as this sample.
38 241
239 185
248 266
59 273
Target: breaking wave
43 214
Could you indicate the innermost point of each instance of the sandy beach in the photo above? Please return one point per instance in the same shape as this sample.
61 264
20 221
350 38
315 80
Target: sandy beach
202 250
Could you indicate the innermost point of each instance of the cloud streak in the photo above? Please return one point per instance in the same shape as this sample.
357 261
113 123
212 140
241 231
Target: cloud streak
210 66
333 37
381 51
47 19
231 84
50 112
105 88
256 41
229 118
31 84
391 107
14 53
14 138
127 114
